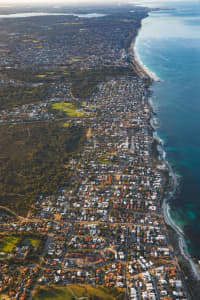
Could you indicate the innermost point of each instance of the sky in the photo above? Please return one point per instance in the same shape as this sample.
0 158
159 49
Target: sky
11 2
53 2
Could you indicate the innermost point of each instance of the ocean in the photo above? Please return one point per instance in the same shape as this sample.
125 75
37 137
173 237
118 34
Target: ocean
169 46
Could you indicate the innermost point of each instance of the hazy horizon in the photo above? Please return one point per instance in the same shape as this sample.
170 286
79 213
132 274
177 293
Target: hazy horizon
59 2
11 3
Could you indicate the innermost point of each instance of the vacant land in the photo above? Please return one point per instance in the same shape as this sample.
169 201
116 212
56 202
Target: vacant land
78 291
12 96
84 83
32 161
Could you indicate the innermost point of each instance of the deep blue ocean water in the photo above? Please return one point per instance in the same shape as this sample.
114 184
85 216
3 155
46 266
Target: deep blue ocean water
169 45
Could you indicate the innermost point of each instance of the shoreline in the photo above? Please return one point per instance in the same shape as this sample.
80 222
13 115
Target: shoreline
182 244
187 264
135 60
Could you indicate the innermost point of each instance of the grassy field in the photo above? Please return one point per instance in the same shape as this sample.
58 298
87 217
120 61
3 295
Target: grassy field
66 125
8 243
30 41
107 159
4 297
76 59
69 108
41 76
33 241
77 291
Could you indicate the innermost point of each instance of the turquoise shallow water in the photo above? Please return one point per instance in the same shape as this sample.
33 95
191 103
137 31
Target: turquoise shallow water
169 45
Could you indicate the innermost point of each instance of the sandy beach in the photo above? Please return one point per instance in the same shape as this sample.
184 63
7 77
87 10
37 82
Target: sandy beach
139 67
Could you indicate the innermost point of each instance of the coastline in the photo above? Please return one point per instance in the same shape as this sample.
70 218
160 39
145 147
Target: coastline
187 264
135 60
